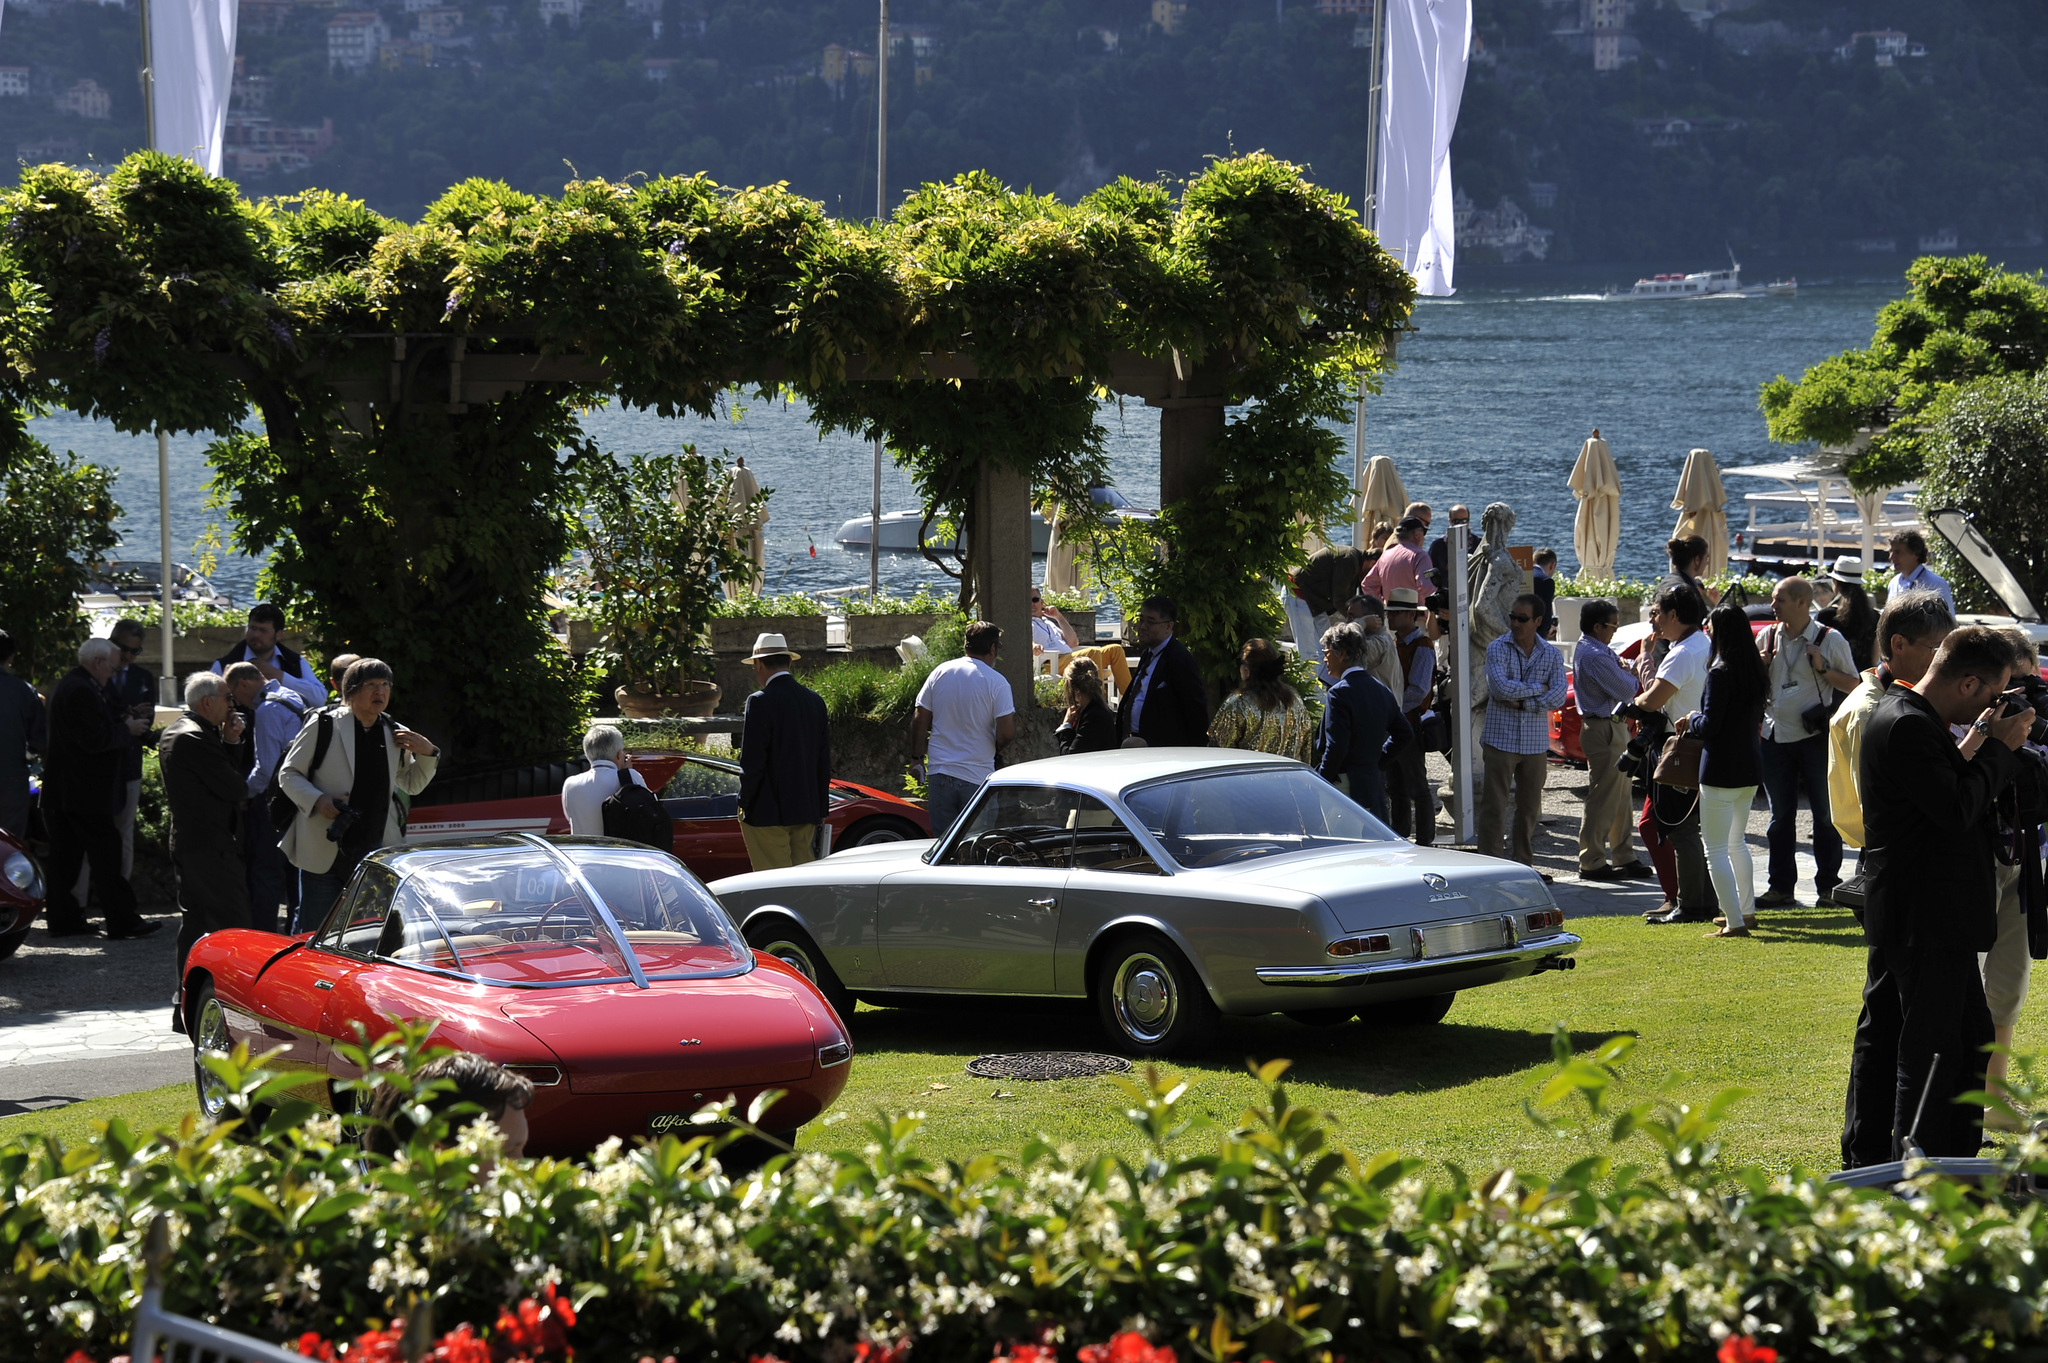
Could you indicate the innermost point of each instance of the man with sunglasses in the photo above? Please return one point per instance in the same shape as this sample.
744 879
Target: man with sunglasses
1051 636
1524 683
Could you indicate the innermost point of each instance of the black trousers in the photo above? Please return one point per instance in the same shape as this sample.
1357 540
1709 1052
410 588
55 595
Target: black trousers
87 839
1408 795
1941 1012
1867 1136
213 895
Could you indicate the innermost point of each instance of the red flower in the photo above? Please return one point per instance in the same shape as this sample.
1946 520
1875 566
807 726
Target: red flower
461 1345
539 1329
757 1358
79 1356
312 1346
1028 1353
1127 1346
378 1346
1743 1349
868 1351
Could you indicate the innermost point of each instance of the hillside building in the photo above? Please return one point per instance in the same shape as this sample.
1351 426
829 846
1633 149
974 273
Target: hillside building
353 40
13 81
86 98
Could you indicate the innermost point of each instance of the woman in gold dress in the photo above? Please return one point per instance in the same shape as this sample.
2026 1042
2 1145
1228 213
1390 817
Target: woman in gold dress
1264 714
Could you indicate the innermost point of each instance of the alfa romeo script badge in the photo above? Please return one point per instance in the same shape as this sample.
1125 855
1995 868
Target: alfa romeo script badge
691 1041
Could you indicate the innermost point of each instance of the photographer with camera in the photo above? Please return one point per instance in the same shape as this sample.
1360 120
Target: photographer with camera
1908 633
342 772
2022 922
1811 669
1929 813
1671 813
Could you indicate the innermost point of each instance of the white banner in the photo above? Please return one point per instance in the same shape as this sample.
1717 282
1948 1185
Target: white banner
1428 42
192 67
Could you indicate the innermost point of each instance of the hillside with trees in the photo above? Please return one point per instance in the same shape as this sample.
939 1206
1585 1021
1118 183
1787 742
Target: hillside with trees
1787 126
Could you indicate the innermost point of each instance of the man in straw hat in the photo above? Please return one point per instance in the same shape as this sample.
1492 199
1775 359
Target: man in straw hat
785 761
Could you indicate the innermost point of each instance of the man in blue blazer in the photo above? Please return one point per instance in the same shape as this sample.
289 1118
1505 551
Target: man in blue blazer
785 762
1359 717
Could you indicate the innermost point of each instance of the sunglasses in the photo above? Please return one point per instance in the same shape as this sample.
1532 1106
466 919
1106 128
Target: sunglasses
1521 619
128 652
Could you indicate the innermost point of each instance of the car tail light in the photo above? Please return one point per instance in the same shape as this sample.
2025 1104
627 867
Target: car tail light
540 1076
1546 920
1360 946
838 1053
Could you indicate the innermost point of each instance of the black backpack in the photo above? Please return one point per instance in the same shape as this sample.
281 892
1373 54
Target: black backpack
282 809
633 812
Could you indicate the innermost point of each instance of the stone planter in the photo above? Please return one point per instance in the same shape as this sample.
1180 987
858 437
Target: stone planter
884 631
737 634
1084 626
701 698
583 636
1631 610
194 650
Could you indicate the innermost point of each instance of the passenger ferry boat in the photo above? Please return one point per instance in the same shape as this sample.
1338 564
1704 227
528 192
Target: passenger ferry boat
1706 284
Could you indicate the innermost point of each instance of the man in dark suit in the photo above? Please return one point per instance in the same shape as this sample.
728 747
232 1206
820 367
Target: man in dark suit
1440 547
82 787
1358 718
785 762
205 790
133 688
1328 580
1166 705
1930 831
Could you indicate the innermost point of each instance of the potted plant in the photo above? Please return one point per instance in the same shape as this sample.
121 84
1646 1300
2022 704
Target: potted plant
1626 595
885 621
1080 614
799 618
657 535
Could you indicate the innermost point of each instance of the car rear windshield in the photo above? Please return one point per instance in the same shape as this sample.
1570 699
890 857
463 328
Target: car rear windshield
1226 817
522 918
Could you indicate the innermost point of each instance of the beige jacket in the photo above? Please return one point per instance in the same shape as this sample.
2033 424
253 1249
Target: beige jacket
305 843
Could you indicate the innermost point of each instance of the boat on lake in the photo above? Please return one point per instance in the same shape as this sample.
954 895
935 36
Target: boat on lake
1705 284
899 528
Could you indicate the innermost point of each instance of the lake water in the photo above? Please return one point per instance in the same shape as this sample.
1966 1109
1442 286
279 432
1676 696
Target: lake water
1491 400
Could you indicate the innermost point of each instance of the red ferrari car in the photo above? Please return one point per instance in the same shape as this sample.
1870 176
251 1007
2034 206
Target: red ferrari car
701 795
21 892
600 970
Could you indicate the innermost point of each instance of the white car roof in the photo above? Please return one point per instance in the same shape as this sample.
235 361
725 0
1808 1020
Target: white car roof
1110 773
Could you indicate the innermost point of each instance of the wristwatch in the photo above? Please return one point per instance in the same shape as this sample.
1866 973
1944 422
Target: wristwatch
1982 726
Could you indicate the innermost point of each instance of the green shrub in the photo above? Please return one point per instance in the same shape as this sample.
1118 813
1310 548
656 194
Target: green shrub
1261 1238
872 692
748 607
924 601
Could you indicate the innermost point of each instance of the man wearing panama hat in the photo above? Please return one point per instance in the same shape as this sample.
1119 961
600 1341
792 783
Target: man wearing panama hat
785 761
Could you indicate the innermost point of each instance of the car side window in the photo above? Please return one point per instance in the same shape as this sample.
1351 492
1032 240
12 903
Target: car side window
357 921
410 932
700 790
1103 843
1017 826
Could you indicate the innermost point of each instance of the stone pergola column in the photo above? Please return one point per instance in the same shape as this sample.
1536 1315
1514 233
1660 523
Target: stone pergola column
1188 431
1000 553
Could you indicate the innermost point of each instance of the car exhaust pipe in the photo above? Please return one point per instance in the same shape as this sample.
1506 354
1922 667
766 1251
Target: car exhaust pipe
1556 963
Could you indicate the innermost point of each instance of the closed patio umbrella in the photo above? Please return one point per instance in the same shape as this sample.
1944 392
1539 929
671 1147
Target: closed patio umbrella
1384 498
1061 572
1702 505
1596 532
742 488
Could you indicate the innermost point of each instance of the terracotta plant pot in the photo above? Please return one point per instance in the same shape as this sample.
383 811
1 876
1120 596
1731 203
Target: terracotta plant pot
699 700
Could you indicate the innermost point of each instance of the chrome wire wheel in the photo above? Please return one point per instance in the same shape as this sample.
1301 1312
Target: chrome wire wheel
210 1037
1145 998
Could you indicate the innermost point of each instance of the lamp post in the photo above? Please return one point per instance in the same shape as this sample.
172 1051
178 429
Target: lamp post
167 680
881 214
1369 209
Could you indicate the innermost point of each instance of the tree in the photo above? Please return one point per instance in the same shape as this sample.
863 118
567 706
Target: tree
1962 319
1987 454
56 521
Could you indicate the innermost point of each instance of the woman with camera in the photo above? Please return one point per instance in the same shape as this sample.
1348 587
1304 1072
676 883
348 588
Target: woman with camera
1727 723
343 772
1672 813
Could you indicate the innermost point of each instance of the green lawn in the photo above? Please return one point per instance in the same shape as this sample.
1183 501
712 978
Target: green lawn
1772 1014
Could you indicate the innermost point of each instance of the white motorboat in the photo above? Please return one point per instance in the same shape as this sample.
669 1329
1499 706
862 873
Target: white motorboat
1705 284
114 585
899 528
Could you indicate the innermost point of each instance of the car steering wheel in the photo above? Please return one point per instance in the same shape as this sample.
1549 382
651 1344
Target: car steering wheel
548 912
1000 849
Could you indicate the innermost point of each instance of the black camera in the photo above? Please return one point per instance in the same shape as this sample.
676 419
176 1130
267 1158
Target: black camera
344 819
1639 755
2029 692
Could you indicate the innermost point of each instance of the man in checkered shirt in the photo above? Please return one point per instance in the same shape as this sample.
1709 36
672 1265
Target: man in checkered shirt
1524 683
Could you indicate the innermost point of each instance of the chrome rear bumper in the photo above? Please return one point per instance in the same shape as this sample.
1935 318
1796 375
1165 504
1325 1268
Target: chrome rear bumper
1336 976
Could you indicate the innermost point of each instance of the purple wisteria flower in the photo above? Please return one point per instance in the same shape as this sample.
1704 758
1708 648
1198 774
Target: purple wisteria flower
454 302
1372 305
675 248
283 334
100 345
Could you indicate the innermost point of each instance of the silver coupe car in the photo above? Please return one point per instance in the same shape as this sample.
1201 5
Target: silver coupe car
1169 886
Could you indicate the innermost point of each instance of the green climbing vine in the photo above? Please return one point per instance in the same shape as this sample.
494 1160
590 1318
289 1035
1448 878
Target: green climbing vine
324 346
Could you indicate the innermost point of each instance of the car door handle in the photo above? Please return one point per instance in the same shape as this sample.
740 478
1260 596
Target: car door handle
323 984
1043 903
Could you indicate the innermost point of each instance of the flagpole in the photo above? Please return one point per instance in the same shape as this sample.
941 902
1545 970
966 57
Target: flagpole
1370 211
881 215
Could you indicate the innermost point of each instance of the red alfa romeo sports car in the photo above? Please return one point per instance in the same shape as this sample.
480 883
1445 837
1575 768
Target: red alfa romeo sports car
601 970
21 892
701 795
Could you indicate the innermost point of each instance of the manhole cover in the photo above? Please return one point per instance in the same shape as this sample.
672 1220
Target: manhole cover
1046 1065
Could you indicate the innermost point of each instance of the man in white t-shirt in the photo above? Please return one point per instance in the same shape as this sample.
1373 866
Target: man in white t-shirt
964 713
1672 814
584 794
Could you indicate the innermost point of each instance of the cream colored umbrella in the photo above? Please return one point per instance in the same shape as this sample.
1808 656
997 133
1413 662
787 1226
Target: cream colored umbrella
740 489
1596 532
1061 571
1702 505
1385 500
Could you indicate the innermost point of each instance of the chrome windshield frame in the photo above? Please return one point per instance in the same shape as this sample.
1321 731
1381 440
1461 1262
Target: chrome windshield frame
604 911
